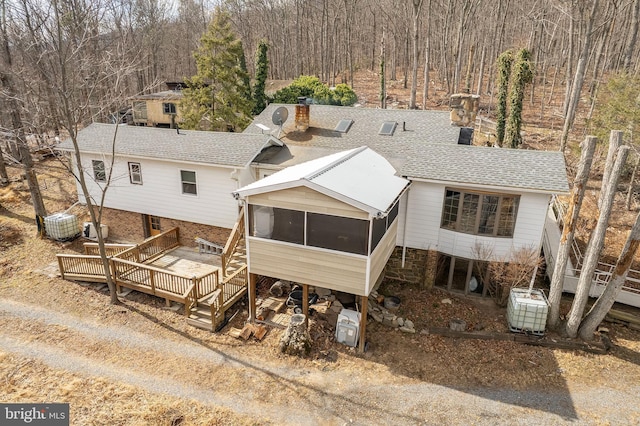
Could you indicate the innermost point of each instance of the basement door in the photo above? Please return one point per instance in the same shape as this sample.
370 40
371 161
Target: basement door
151 225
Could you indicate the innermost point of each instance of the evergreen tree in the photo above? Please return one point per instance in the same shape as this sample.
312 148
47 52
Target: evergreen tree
262 64
521 75
215 98
246 80
311 87
505 60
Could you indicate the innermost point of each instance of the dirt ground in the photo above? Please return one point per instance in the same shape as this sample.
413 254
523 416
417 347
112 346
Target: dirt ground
140 363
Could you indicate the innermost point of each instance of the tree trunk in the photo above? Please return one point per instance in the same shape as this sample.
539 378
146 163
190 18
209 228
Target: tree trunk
4 177
579 78
569 67
20 140
417 4
615 140
618 277
427 59
467 78
596 243
383 78
631 185
631 44
481 76
425 89
568 231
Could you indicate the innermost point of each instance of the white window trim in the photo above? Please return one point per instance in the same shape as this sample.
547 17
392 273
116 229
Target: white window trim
134 181
95 172
195 183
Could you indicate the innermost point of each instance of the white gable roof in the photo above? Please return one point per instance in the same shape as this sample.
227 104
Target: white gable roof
359 177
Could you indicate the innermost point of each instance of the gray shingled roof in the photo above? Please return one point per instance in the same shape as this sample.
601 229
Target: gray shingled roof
165 94
226 149
421 126
502 167
426 149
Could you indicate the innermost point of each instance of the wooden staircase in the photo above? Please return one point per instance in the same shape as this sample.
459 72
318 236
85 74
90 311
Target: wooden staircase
209 312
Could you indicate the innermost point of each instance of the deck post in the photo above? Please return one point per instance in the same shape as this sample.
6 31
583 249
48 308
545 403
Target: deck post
363 323
253 279
61 267
305 304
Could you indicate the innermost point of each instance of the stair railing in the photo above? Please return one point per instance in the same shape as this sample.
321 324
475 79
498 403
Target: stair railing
237 234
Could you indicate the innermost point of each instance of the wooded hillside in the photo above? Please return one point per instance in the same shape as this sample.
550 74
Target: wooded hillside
117 48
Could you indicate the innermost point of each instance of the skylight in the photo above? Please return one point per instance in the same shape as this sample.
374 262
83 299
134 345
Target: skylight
387 129
344 125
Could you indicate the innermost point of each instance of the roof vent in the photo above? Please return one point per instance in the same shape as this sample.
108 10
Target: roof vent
344 125
387 129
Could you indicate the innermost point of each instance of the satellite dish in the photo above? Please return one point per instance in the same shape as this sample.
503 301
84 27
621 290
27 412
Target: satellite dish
279 116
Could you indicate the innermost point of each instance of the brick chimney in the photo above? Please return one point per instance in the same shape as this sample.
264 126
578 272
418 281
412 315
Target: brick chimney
302 114
464 108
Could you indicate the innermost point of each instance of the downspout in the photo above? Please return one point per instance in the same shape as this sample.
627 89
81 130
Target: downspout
404 230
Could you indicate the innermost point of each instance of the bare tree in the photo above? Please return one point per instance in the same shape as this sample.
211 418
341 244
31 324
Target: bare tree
64 53
615 140
568 231
594 247
17 126
578 79
417 5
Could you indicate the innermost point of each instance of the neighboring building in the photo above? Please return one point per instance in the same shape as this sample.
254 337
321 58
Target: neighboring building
161 109
459 197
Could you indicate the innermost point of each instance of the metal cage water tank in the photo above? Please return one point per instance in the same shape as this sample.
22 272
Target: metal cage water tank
62 226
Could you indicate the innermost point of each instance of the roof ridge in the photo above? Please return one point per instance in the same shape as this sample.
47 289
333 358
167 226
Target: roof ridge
337 162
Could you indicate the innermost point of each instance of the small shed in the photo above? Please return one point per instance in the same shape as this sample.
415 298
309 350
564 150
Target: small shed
330 222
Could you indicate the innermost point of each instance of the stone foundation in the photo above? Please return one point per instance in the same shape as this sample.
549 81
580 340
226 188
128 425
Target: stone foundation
129 227
419 267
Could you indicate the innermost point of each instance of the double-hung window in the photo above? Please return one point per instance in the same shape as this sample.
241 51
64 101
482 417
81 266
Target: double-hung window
135 173
479 213
99 172
188 182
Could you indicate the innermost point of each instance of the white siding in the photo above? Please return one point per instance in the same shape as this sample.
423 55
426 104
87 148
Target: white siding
425 211
161 191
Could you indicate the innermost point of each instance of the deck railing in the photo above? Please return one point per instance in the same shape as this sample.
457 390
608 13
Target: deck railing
162 283
92 249
604 270
88 268
207 284
234 283
152 247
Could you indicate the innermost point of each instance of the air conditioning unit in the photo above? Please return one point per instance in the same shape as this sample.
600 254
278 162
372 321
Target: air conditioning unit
348 327
89 231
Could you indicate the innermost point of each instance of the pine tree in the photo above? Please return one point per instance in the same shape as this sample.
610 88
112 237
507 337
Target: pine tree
246 80
521 75
262 64
505 60
215 97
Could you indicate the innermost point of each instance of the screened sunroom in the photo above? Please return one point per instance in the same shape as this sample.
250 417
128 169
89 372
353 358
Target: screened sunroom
330 222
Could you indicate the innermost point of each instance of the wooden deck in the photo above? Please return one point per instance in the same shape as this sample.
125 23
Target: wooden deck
159 267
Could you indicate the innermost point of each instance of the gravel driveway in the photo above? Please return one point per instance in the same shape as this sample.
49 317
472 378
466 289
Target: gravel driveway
286 394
